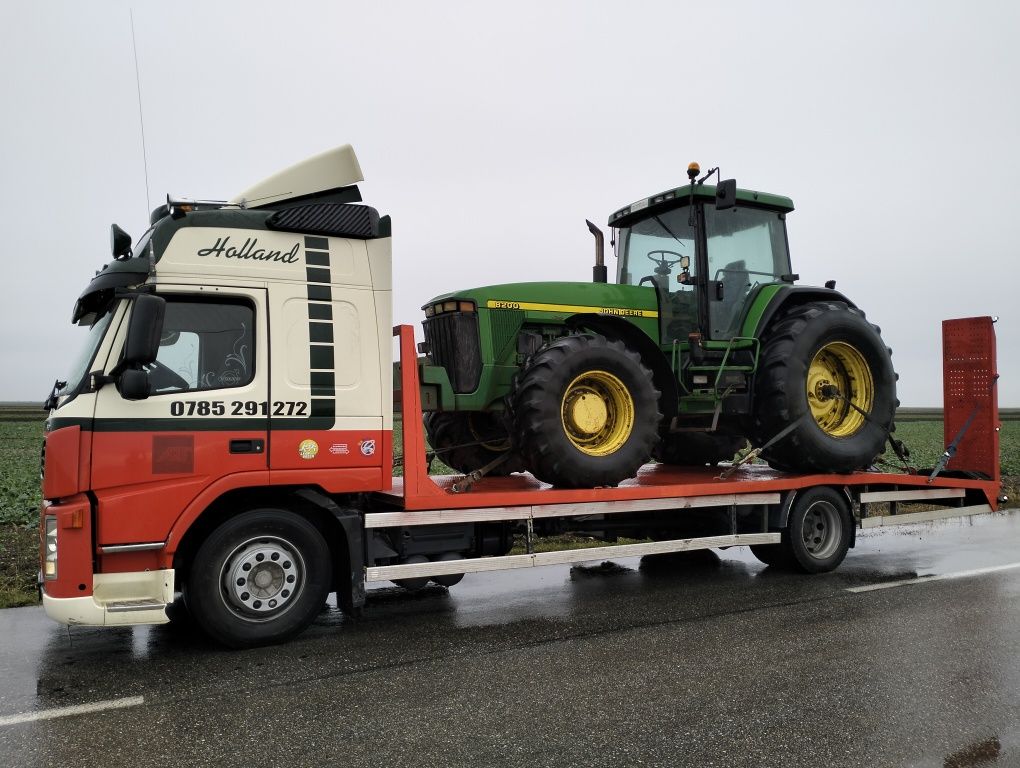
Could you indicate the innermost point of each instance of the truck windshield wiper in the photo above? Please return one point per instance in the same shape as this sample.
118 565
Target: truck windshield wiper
51 400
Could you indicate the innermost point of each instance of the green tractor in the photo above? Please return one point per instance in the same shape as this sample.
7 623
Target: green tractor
703 343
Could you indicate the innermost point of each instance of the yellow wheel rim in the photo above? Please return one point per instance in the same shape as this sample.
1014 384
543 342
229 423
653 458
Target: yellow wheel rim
841 366
597 413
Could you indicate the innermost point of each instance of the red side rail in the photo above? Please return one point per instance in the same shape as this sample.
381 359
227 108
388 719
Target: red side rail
416 471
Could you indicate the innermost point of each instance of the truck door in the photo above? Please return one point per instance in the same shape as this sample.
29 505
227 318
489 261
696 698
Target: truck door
203 426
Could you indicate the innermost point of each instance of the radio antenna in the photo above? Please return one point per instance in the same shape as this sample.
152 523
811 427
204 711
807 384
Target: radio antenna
141 119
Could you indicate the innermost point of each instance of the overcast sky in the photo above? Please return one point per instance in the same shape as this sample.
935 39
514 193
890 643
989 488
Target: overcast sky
489 136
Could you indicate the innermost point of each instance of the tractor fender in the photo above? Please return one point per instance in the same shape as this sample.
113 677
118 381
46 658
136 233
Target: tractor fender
794 295
640 342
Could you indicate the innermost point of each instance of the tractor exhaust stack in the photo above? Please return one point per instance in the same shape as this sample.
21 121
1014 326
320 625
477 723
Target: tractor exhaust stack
599 274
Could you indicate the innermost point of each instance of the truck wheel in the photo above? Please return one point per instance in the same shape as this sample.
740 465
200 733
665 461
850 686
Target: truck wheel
585 412
451 434
818 531
259 578
811 353
695 449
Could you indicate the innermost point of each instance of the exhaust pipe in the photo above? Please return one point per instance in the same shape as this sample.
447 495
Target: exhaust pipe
599 274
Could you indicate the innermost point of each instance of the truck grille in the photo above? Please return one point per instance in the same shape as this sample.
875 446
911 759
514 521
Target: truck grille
452 339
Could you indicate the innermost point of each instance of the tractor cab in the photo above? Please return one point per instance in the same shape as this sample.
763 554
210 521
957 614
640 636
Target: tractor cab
707 258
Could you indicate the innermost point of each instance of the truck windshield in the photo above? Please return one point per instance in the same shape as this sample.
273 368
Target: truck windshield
86 354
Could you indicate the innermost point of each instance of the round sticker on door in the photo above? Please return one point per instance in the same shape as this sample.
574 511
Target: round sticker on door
367 447
308 449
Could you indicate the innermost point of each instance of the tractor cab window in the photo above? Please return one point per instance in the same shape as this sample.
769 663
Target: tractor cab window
659 252
204 345
746 249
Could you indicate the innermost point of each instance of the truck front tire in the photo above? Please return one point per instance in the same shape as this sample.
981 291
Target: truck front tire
260 578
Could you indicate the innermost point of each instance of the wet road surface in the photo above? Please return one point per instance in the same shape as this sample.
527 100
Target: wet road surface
706 659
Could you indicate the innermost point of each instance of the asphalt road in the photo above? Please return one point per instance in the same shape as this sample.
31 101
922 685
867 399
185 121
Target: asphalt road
704 659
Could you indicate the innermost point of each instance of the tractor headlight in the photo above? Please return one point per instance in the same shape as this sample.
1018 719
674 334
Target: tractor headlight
50 549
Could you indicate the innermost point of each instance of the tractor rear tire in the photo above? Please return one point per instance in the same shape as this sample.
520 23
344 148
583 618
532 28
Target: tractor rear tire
585 412
468 440
696 449
808 351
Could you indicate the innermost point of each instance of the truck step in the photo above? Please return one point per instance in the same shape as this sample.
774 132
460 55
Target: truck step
123 606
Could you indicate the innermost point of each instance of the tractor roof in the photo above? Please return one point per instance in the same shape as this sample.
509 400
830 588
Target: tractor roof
675 198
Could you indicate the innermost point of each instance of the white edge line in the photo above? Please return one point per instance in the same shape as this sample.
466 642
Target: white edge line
78 709
934 577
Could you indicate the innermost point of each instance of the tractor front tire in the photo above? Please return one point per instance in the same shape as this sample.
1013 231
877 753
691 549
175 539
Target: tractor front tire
696 449
810 353
468 440
585 412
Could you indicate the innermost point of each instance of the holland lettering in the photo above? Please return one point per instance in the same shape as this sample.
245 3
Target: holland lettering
249 251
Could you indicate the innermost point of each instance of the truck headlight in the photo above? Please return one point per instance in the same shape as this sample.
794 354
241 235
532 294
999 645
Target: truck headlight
50 549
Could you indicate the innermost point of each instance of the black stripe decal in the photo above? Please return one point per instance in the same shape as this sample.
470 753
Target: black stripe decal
320 312
319 293
323 407
316 275
320 333
321 353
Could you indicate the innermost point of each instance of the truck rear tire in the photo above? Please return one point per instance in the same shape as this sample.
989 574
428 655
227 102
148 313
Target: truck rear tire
585 412
810 353
260 578
818 530
773 555
468 440
695 449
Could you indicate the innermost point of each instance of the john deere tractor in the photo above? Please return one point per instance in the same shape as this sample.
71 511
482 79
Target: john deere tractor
704 342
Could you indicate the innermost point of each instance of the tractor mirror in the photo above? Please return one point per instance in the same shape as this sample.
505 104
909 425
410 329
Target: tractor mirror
726 194
685 262
145 330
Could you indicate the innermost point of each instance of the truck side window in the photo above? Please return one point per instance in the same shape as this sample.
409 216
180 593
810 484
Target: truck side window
205 345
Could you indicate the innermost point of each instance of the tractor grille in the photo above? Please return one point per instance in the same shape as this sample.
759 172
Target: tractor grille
505 325
452 340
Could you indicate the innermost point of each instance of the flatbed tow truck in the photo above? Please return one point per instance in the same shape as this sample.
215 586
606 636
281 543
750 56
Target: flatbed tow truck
225 441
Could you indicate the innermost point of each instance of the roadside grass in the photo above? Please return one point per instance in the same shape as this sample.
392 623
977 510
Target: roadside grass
21 430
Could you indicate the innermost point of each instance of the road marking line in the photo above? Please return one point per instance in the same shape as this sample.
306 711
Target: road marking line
934 577
78 709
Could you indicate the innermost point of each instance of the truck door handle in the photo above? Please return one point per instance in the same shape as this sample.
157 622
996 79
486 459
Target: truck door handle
247 446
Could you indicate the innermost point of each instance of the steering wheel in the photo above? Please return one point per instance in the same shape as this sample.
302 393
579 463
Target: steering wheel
162 376
663 265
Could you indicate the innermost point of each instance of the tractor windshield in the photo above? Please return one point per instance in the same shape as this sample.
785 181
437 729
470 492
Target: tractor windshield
660 252
745 248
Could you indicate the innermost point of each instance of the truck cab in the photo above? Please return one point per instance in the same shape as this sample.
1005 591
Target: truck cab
238 345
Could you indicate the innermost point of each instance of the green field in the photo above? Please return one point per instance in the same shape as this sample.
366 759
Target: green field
21 430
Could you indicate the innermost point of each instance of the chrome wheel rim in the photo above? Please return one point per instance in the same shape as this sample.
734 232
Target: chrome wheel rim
821 530
262 578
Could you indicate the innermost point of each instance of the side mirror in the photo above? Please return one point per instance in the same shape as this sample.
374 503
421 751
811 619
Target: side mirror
142 344
726 194
133 384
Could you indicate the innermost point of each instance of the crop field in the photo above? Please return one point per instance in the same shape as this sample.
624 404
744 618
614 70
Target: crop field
21 430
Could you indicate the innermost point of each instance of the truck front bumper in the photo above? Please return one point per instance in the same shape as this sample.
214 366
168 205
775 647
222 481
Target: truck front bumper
117 599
